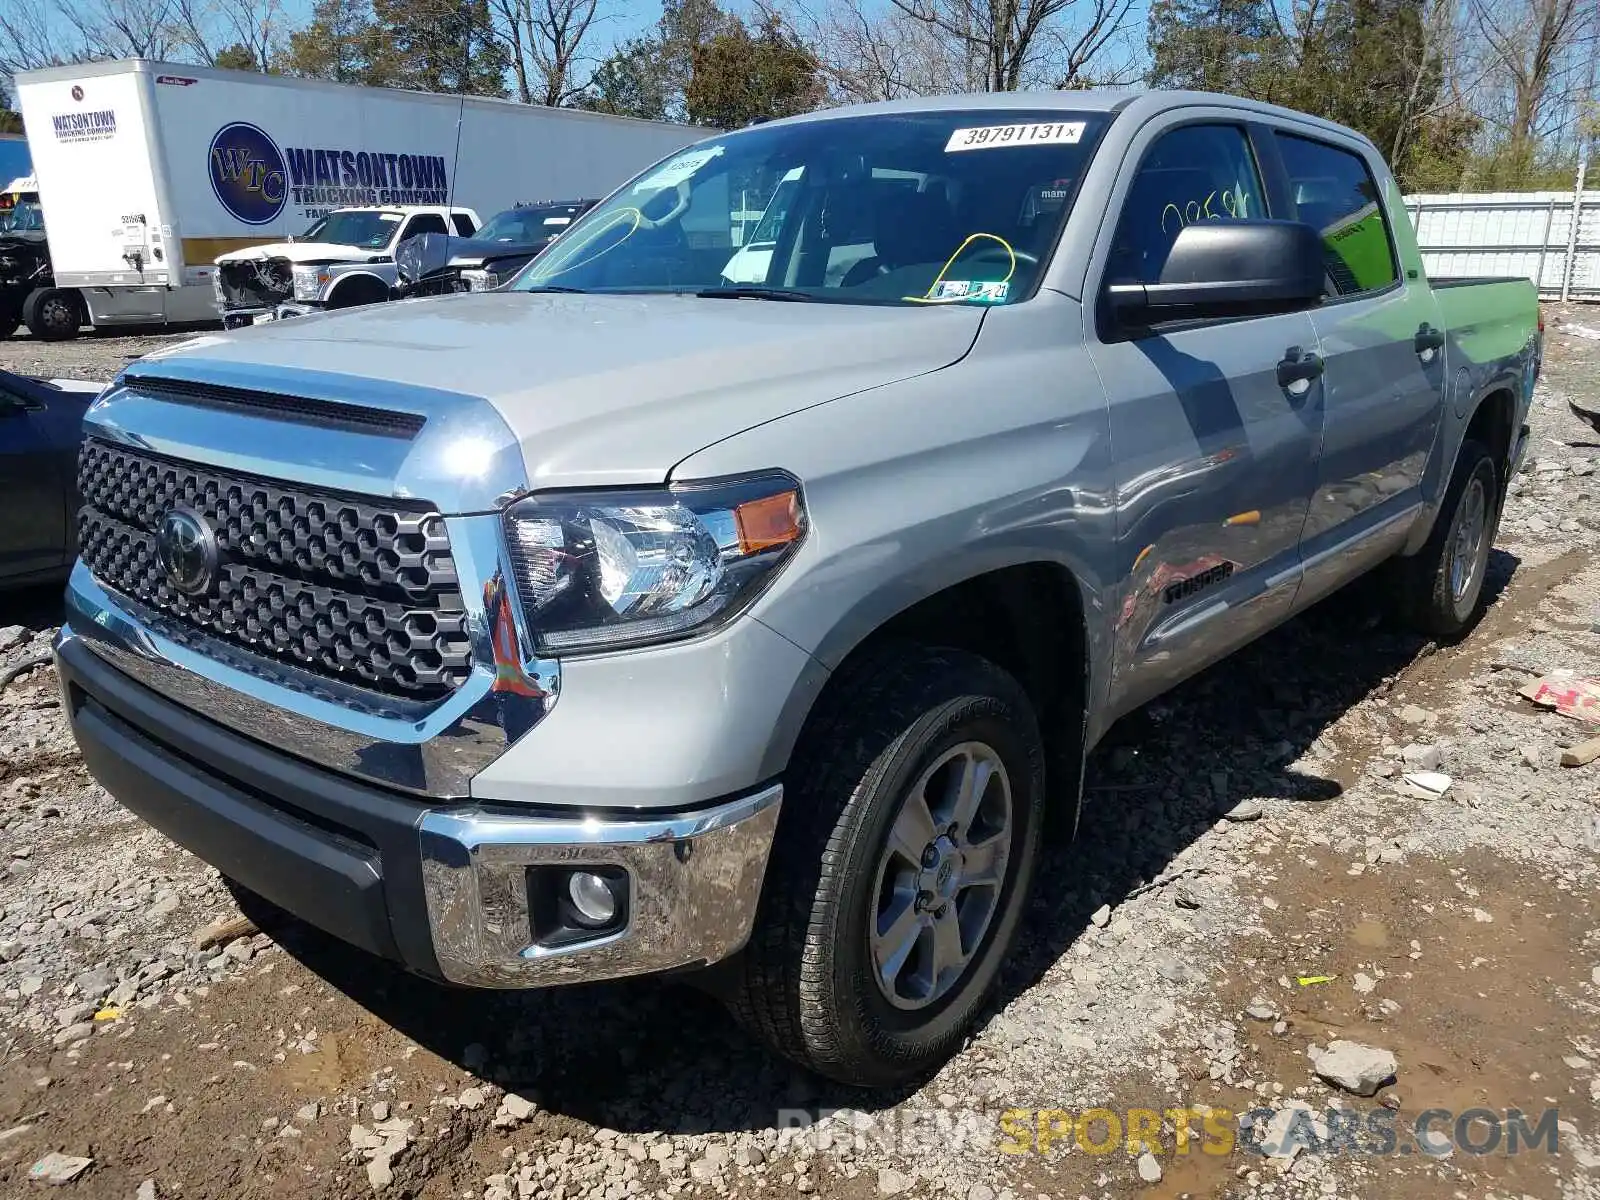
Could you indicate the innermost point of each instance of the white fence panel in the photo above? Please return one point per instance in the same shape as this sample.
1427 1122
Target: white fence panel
1512 233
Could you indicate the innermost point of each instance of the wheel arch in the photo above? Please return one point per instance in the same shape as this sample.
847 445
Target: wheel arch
1489 418
1028 615
344 290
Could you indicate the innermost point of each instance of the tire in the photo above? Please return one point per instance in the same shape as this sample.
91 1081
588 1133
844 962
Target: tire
1439 590
53 314
357 292
808 982
9 324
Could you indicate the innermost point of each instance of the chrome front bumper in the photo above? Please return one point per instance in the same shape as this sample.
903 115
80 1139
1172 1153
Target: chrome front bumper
693 884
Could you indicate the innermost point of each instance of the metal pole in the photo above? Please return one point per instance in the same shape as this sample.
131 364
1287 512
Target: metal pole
1544 245
1577 215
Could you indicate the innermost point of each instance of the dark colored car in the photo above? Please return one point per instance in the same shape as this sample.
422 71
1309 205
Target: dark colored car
24 269
438 265
41 424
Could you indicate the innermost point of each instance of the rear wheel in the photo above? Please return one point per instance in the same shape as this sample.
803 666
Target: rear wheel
902 864
53 314
1440 588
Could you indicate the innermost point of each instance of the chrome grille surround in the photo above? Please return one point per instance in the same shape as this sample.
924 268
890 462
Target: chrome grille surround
465 458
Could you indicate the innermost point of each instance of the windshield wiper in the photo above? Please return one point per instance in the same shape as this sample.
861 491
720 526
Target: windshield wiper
754 293
555 288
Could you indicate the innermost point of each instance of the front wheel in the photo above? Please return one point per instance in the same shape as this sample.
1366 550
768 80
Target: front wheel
902 866
1440 588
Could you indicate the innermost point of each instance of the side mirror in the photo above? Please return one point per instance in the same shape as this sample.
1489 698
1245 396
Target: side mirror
1229 269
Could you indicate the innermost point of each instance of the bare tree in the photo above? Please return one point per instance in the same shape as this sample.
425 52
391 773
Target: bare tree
27 39
868 53
124 28
544 40
1016 40
1529 46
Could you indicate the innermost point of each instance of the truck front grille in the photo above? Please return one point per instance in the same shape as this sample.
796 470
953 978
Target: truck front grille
351 588
255 283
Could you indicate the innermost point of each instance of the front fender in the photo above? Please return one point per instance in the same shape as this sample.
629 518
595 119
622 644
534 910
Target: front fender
998 460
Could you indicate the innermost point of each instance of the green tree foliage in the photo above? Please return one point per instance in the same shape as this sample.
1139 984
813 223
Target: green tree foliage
704 65
438 46
429 45
338 45
1373 65
1214 46
739 77
631 83
236 58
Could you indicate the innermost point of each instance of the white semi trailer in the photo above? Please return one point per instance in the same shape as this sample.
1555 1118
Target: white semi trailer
148 171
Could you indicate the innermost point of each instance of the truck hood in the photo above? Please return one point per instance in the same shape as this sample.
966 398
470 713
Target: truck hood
600 390
301 252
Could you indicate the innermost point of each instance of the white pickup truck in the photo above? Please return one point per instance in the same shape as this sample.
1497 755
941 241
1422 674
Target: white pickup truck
345 259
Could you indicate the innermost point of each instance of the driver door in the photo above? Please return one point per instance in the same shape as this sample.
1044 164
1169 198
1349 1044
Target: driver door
1215 458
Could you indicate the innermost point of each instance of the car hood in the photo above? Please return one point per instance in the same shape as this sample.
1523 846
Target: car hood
600 389
301 252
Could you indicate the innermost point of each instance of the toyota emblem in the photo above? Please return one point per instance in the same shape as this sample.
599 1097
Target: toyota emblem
187 548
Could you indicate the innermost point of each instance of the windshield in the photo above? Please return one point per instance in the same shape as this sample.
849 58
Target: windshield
26 217
534 223
913 208
358 227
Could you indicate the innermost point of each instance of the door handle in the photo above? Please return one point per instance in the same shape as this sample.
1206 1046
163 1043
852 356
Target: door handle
1298 367
1428 339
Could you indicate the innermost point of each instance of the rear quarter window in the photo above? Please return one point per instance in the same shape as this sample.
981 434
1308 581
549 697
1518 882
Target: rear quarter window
1334 191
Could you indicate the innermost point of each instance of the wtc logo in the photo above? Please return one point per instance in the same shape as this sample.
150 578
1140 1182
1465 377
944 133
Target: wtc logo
247 173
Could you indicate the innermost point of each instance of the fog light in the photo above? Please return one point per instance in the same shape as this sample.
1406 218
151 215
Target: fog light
592 898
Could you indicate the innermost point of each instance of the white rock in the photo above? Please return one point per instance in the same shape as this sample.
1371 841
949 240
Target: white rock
307 1113
1363 983
12 1134
56 1168
147 1190
1413 714
892 1182
1481 917
1421 758
1101 916
1149 1168
472 1098
12 636
1425 785
980 1191
1245 810
378 1173
380 1110
1358 1069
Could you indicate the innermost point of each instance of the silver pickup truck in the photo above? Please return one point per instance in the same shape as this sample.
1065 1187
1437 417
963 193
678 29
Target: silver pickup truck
640 618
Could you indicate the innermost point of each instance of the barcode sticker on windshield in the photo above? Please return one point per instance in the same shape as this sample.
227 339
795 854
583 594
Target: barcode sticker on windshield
989 137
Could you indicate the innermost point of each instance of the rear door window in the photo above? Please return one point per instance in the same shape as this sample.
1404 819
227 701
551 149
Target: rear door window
425 223
463 224
1192 173
1335 193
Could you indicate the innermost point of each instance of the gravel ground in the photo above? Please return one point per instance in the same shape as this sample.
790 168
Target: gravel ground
1252 887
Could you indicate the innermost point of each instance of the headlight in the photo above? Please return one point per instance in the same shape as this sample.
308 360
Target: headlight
614 569
480 281
308 282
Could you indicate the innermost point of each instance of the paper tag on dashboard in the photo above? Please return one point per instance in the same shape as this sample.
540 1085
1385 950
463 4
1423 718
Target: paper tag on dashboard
990 137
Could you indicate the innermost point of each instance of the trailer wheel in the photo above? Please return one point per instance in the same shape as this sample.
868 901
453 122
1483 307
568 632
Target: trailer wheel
53 314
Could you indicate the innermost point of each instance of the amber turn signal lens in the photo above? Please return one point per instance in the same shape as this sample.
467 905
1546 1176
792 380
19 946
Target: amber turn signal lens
768 522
